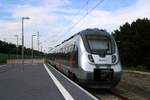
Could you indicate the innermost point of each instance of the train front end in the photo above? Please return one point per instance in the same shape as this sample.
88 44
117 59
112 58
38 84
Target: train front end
98 60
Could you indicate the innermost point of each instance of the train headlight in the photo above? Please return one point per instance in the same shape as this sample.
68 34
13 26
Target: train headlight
113 58
91 58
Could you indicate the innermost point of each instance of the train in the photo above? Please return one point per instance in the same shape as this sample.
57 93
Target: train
90 57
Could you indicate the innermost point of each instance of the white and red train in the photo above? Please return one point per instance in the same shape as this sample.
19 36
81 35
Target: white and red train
91 57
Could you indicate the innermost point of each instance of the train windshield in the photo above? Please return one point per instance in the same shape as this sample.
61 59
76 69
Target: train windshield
99 44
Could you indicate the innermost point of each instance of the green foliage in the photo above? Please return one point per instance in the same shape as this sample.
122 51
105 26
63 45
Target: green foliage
8 51
134 43
3 58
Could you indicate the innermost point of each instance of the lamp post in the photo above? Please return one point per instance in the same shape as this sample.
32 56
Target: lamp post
17 47
38 40
32 47
23 18
41 48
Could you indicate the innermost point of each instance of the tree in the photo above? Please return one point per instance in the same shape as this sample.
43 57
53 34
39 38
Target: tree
134 45
9 48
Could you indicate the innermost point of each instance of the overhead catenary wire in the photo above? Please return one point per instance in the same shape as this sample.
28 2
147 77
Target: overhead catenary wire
74 25
74 17
89 11
86 4
83 16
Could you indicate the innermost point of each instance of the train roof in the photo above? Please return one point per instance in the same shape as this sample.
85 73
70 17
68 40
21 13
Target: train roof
94 31
88 31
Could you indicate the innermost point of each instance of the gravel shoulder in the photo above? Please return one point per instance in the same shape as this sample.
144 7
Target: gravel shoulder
135 86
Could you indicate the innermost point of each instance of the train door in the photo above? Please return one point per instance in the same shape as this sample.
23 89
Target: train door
74 56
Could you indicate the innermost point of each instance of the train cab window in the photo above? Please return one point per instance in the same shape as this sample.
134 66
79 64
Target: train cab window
99 44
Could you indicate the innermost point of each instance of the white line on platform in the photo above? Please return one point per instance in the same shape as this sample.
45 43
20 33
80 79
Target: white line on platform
89 94
2 65
63 91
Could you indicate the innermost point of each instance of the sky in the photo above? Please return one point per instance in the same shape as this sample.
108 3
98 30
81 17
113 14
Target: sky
53 18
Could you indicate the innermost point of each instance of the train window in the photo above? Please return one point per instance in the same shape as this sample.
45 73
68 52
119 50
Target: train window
99 44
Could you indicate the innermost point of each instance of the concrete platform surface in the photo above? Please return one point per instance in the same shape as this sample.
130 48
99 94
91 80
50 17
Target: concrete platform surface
33 82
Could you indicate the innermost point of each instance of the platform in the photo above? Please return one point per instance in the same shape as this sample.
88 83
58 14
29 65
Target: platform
38 82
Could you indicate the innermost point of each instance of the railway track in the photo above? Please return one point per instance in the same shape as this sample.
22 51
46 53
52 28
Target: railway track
107 94
121 97
104 94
